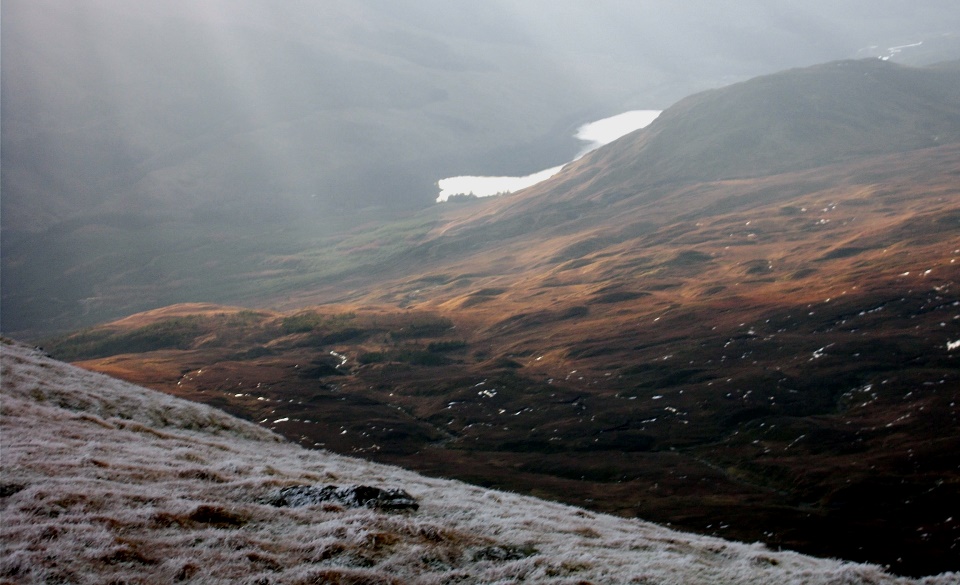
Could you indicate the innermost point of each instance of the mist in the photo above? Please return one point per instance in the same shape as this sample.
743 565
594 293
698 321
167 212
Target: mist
350 104
236 117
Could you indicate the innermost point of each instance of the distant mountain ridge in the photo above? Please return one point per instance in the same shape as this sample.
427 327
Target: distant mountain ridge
793 121
242 107
797 119
787 121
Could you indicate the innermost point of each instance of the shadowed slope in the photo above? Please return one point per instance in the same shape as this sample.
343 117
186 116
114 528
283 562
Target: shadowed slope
793 120
106 481
788 121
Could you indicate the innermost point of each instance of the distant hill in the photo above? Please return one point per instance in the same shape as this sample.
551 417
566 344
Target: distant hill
250 111
793 120
788 121
796 121
156 153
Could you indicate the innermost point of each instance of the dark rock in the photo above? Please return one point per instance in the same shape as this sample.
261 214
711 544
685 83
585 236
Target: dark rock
217 517
355 496
504 553
8 489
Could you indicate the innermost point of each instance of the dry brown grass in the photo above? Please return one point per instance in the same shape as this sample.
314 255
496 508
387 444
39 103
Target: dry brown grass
88 498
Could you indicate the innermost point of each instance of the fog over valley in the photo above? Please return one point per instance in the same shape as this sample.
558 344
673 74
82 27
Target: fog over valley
175 126
251 108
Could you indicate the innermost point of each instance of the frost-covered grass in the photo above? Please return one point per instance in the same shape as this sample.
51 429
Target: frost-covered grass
106 482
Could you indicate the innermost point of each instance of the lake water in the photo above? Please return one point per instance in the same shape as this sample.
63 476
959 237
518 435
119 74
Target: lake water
595 134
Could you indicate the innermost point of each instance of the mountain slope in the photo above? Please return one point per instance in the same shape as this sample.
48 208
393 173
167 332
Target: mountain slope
789 121
769 358
239 105
793 120
103 480
146 144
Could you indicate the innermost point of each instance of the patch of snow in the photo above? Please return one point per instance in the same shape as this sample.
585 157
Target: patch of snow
341 357
819 353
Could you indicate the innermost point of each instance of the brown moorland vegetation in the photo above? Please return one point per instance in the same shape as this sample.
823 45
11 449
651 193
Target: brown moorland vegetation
761 359
742 320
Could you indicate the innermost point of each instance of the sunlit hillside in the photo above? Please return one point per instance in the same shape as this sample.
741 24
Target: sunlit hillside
164 152
765 357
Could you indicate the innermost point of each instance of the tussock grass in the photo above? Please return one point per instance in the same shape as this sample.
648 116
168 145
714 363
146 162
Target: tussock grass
104 482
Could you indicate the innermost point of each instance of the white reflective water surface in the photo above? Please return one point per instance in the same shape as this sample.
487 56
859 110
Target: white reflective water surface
596 134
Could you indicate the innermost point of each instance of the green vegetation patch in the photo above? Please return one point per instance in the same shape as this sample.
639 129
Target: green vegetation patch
689 258
412 356
582 248
309 321
843 252
301 322
423 326
419 357
446 346
173 333
620 296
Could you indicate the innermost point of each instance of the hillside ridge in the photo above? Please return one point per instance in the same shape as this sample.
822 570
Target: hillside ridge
787 121
103 480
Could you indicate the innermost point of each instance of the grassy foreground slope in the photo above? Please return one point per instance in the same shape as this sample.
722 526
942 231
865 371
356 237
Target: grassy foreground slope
104 481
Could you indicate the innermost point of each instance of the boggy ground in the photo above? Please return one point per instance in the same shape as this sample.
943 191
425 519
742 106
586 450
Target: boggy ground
766 360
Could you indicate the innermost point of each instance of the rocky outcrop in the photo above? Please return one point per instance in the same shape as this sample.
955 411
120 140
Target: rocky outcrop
354 496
